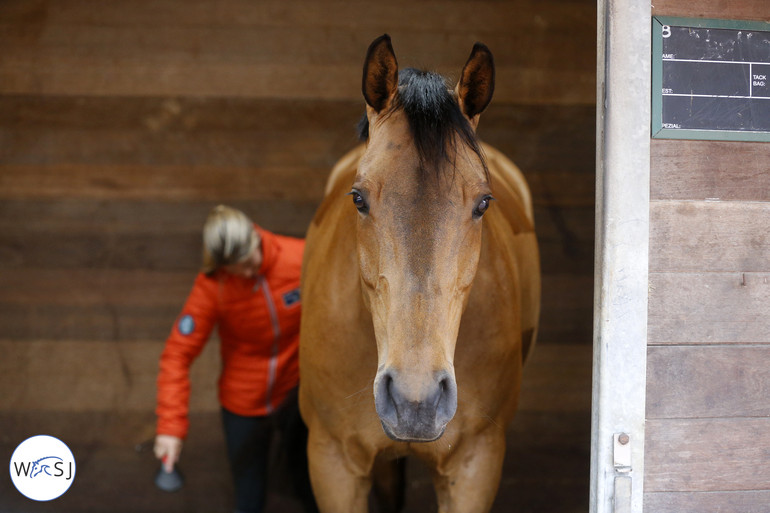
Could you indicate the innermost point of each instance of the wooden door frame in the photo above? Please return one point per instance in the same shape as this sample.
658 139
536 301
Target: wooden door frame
621 256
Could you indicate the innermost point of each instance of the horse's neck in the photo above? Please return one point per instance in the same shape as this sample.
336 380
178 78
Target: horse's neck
347 165
506 174
510 188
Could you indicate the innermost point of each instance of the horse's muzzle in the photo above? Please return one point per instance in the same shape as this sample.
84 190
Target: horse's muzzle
412 413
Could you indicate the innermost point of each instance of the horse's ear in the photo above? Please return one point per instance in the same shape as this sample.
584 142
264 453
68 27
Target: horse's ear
477 83
380 81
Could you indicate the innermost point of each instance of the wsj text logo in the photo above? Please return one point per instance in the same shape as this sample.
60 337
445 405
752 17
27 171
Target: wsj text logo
42 468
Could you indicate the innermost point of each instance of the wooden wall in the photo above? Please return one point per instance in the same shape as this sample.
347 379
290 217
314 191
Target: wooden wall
708 369
123 123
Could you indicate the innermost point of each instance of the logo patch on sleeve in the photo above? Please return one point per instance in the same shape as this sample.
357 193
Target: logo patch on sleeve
186 325
291 298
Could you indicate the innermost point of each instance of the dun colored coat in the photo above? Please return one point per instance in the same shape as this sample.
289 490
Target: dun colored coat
421 291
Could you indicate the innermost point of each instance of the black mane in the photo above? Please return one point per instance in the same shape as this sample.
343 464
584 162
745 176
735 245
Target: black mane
434 118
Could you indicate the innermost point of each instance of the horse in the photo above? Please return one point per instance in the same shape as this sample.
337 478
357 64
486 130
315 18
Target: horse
420 297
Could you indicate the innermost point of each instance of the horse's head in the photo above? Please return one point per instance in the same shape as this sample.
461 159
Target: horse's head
421 190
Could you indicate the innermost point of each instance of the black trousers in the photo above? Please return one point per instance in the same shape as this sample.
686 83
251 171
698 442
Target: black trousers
248 448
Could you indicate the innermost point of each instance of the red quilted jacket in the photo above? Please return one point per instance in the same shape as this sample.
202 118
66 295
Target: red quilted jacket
258 326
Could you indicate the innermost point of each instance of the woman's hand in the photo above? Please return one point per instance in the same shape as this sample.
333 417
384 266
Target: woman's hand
167 449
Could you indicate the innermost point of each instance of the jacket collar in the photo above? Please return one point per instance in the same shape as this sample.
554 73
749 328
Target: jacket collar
270 250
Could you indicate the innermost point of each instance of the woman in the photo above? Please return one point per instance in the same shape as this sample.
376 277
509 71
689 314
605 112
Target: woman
249 289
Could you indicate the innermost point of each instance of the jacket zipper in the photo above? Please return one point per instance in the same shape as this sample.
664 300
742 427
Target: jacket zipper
273 364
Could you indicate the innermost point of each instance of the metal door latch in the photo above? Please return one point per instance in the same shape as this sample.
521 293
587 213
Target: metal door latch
622 453
621 456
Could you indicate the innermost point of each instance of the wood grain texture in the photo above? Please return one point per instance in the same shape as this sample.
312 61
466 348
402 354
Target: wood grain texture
697 170
184 148
65 383
710 381
267 50
229 135
158 234
133 366
708 308
115 465
427 15
125 183
706 455
128 304
170 183
120 127
709 236
101 322
93 287
707 411
557 378
745 9
754 501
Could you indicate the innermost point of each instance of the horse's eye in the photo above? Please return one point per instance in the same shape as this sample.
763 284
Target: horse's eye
359 202
482 206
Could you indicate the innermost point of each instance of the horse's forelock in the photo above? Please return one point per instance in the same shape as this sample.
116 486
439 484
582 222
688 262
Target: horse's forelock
434 119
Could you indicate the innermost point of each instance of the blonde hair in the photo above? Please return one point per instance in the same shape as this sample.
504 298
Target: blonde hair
228 238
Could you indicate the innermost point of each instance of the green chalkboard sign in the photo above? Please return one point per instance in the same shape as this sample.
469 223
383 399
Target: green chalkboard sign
710 79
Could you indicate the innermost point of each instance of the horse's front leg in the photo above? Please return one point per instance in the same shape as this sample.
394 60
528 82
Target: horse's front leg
467 481
338 486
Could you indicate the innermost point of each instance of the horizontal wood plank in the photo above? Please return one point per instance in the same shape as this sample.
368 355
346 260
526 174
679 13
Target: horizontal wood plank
554 146
312 50
706 455
565 316
103 322
64 382
110 304
170 183
429 15
443 48
51 77
708 308
557 378
561 126
699 170
114 454
72 250
745 9
47 236
710 381
165 247
159 234
180 182
709 236
94 287
226 147
754 501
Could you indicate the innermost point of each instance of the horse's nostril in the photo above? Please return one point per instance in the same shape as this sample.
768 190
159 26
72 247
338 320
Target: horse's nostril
442 391
446 405
389 397
385 401
415 410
